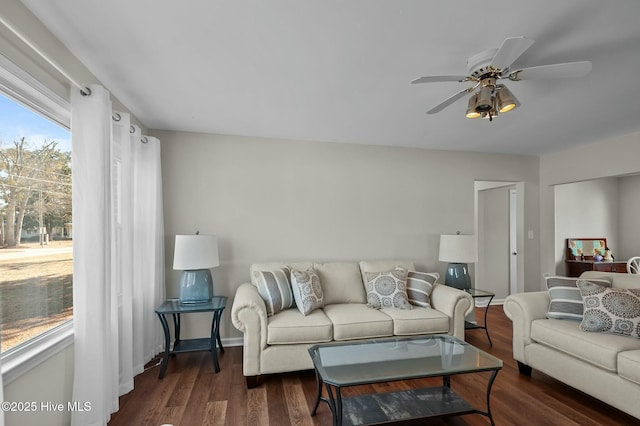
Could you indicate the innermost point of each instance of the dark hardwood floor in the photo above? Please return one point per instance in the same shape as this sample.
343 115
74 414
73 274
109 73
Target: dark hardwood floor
191 394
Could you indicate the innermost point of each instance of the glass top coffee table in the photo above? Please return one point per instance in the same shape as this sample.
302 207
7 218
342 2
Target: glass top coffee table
361 362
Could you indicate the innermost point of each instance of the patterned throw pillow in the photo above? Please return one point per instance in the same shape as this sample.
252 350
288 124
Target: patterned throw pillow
566 301
610 310
306 290
387 289
419 287
275 290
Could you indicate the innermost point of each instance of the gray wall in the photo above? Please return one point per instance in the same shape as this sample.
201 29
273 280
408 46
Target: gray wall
272 199
586 209
629 217
607 207
612 157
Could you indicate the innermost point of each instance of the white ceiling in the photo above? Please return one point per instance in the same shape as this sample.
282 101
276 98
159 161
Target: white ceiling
340 71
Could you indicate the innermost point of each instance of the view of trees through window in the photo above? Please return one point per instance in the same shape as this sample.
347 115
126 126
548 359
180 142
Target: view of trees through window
35 224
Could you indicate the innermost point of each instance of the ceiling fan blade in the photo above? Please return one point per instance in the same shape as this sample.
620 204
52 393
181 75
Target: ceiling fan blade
567 69
510 50
439 78
448 102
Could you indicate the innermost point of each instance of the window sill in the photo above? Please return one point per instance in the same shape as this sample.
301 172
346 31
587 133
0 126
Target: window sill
19 360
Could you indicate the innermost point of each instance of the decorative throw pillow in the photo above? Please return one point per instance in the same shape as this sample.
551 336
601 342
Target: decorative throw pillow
610 310
566 301
387 289
275 290
419 287
307 291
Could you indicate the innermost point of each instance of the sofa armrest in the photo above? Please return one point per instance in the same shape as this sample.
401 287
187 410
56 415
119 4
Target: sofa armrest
249 315
455 303
522 309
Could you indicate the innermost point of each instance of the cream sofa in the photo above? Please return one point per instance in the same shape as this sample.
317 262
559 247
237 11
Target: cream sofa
279 343
605 366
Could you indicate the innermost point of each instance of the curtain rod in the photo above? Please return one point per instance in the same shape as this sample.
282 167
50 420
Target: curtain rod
83 89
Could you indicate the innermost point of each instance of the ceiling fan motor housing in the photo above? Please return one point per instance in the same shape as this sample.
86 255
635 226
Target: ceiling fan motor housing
478 64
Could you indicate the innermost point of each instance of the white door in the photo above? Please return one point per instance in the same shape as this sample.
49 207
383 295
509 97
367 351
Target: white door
513 240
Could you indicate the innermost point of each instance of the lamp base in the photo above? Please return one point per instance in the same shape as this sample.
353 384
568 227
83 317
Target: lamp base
458 276
196 286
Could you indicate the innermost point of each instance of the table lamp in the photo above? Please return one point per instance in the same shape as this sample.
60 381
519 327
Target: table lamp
194 255
458 250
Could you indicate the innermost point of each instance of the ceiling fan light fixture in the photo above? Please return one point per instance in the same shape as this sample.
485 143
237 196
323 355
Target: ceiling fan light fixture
471 109
505 100
485 101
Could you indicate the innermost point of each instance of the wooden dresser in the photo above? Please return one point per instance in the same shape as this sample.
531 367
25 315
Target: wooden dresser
577 267
581 256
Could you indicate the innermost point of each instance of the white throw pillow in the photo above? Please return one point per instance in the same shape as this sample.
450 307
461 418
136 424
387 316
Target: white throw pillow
307 290
610 310
387 289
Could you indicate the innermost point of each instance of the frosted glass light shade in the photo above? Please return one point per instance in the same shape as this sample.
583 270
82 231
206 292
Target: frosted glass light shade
458 249
193 252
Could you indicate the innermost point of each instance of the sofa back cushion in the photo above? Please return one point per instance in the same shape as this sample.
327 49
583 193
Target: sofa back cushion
617 280
341 282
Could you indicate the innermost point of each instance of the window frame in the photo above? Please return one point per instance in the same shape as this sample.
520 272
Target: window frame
23 88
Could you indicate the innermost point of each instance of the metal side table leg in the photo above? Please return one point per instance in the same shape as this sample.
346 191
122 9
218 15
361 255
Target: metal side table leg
167 337
486 329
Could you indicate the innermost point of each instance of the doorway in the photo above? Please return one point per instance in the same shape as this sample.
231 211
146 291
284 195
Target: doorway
497 233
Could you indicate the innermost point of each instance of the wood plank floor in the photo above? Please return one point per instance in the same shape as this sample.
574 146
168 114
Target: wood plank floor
191 394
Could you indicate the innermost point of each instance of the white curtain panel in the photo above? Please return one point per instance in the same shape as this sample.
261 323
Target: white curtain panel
148 248
118 253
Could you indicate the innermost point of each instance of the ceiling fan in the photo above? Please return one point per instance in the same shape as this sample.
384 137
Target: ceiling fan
485 69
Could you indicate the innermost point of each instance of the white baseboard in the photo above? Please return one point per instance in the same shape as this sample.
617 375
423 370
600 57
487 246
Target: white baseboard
232 341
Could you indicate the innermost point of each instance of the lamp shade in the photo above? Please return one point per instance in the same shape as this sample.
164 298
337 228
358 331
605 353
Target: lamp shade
193 252
458 249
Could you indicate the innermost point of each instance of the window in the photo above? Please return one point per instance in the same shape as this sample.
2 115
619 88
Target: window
36 271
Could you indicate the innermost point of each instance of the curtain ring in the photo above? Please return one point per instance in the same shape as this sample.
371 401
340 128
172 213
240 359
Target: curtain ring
116 117
132 129
144 139
85 92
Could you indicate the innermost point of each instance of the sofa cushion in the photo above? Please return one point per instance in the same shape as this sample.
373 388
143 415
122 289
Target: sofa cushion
358 321
341 282
387 289
417 321
307 290
610 310
291 327
566 302
419 287
599 349
275 289
629 365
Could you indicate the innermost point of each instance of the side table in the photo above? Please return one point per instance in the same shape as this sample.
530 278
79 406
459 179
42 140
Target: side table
175 308
476 294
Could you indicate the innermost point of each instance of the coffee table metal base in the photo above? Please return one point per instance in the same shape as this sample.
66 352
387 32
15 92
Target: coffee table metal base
398 406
